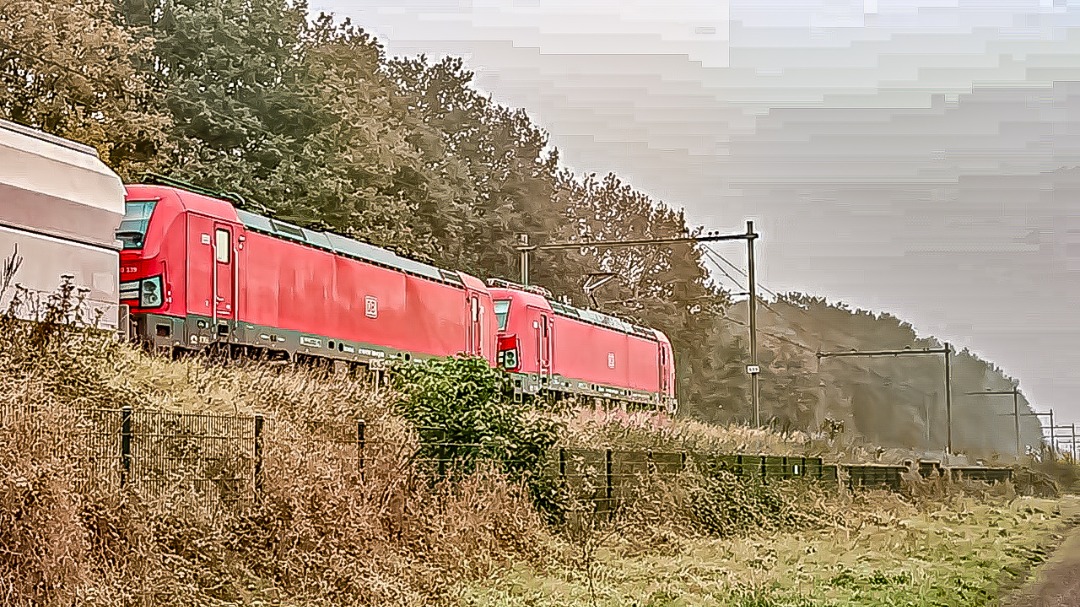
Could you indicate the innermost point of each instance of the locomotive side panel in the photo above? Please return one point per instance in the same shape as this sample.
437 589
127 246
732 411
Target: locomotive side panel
370 303
198 265
346 305
297 284
589 353
262 281
435 318
483 339
667 365
643 364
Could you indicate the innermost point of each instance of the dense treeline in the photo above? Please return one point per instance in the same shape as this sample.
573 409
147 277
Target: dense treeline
312 119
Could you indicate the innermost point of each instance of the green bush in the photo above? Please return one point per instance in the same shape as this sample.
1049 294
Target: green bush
722 504
460 409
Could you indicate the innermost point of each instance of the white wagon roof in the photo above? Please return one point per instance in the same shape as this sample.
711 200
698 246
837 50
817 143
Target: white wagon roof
57 187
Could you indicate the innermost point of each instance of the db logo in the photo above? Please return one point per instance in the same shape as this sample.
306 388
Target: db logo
611 360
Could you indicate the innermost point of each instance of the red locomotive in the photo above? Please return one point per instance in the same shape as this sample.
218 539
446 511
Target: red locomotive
198 272
557 349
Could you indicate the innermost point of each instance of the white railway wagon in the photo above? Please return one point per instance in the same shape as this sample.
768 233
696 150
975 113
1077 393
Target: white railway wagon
60 207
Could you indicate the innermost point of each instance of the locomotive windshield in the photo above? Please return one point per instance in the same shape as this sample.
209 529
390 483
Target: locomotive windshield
502 311
133 228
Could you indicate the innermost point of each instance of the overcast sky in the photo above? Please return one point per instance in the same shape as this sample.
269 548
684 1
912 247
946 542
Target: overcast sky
896 155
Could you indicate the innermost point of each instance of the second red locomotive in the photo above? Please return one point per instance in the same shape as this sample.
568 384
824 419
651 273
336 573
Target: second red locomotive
563 351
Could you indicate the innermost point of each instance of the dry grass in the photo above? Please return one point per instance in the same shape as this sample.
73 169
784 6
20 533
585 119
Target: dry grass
319 535
596 428
323 534
590 428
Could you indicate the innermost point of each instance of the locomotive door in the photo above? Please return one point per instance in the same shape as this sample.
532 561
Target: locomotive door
663 369
475 333
543 347
224 279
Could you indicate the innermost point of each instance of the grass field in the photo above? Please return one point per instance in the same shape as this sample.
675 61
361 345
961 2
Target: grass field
321 534
882 552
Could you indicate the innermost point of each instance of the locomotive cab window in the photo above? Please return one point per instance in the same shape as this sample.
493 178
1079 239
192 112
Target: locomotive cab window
502 312
222 247
132 230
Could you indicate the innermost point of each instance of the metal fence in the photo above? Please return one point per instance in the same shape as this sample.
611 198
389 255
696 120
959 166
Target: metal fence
220 459
214 457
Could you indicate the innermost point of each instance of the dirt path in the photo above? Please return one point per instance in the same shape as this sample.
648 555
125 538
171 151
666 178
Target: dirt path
1057 582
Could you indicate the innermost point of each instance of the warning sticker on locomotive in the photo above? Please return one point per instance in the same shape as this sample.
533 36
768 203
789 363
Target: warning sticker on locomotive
371 307
611 360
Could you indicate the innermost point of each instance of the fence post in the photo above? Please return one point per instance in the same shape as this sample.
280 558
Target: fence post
360 443
442 455
609 487
562 463
650 465
682 461
258 454
125 444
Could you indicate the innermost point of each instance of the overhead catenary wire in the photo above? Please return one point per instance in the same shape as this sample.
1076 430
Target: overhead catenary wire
711 255
714 254
734 281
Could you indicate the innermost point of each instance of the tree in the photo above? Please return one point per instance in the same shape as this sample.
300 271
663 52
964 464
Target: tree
67 69
227 73
495 171
356 171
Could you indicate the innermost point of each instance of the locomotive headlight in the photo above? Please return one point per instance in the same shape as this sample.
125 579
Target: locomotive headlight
509 359
150 295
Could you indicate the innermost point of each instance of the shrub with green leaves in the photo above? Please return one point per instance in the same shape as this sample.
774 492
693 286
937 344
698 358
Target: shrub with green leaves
460 410
723 504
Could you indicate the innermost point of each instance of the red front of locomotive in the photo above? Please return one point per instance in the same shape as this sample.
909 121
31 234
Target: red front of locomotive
519 315
153 262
